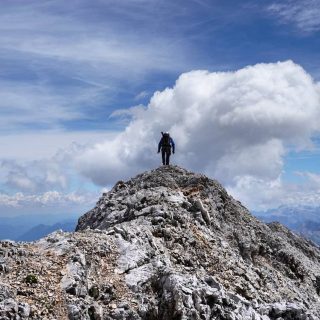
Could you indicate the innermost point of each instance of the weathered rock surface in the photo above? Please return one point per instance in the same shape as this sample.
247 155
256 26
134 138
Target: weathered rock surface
169 245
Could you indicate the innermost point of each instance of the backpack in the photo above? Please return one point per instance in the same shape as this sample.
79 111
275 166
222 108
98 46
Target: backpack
166 140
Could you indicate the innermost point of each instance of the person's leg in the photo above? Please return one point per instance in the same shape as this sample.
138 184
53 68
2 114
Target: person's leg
168 157
163 156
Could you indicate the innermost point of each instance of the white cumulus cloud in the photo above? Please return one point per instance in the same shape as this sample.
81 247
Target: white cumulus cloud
234 126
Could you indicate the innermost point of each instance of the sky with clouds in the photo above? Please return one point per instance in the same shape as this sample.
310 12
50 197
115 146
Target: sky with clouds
87 87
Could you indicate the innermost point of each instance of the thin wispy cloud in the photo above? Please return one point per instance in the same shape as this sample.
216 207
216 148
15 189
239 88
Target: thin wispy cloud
141 95
304 14
30 106
102 43
60 65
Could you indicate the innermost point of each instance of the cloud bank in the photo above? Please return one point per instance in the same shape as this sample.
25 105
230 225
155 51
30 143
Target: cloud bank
234 126
50 203
49 198
237 127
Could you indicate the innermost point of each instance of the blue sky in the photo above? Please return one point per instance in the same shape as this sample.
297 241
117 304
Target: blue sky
76 76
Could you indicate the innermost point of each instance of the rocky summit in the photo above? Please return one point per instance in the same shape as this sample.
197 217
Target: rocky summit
168 244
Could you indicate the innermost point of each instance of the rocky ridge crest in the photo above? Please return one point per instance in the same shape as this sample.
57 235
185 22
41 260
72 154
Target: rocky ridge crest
168 244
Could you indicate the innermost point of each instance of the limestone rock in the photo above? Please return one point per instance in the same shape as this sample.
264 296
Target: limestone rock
168 244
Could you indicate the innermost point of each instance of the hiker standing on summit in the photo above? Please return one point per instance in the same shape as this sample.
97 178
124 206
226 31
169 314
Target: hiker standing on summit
165 144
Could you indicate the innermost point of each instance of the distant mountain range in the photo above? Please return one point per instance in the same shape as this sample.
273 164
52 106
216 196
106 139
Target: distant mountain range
30 228
42 230
304 220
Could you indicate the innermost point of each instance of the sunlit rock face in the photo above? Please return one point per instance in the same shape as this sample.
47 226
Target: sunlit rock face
168 244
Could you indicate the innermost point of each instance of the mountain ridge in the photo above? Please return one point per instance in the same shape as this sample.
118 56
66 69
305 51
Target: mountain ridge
20 228
303 220
168 244
41 230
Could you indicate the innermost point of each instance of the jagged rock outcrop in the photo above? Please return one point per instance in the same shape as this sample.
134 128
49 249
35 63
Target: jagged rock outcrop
166 245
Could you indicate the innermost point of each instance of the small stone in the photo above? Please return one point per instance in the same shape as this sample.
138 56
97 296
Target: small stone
94 292
278 309
24 309
95 312
74 312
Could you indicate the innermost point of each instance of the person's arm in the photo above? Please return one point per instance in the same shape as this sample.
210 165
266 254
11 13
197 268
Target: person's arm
173 145
159 145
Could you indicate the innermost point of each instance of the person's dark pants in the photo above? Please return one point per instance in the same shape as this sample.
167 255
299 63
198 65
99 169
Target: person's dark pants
166 152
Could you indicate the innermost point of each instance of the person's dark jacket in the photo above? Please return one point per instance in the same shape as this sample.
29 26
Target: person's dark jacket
161 144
